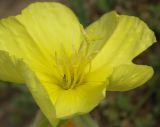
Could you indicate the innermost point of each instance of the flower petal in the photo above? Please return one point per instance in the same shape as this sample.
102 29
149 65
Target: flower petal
39 92
52 25
100 75
80 100
129 76
8 69
56 102
15 40
101 30
36 41
123 38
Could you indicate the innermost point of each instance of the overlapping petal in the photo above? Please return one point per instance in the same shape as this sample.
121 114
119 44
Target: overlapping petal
101 30
8 69
53 26
38 34
79 100
56 102
122 38
15 41
38 91
129 76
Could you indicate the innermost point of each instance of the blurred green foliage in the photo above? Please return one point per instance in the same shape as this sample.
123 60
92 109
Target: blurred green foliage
17 107
137 108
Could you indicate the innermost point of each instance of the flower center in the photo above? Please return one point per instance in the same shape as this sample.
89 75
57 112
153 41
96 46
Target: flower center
72 69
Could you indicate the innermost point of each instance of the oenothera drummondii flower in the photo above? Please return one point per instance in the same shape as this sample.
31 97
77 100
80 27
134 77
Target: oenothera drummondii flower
68 68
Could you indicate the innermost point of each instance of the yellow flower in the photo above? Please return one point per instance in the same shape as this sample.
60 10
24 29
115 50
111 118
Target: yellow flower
67 68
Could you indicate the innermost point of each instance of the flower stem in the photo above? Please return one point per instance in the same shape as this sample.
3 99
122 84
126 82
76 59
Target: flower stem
40 121
78 121
84 121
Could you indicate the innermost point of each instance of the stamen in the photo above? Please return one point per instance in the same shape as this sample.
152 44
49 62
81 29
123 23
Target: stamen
73 68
